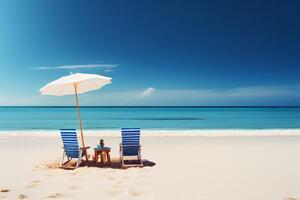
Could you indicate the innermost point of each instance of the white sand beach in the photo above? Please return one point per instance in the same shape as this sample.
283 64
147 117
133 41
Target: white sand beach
186 167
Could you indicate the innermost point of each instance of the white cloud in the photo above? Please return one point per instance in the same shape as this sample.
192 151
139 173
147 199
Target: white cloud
42 68
109 70
148 92
86 66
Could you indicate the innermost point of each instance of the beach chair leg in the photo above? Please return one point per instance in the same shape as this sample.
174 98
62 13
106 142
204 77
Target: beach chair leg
62 162
122 163
78 163
121 156
79 159
62 159
140 158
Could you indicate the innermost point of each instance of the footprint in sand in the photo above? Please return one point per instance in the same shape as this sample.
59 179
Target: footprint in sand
134 193
114 192
54 196
73 187
33 184
35 181
22 196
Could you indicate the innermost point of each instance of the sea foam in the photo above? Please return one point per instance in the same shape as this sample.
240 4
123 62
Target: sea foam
160 133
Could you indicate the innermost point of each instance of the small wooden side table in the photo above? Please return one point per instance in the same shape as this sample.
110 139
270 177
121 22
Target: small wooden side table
104 153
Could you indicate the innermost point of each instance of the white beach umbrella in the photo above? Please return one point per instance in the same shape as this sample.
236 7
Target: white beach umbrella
75 84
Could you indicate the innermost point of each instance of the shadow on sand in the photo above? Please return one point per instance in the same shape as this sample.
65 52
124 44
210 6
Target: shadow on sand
115 164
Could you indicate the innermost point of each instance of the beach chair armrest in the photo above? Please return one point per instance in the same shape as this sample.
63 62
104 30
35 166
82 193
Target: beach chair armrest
84 152
84 148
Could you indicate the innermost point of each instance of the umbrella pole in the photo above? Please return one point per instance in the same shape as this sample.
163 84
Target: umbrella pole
80 122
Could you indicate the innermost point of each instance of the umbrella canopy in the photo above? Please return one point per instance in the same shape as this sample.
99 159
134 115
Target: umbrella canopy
83 82
75 84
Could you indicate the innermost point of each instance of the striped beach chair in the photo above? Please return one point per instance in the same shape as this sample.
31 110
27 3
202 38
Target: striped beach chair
130 148
71 148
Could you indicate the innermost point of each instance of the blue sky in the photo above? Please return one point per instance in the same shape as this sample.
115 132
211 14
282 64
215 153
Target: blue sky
157 52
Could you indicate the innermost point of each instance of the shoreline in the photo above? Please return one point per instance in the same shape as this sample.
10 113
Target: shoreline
159 133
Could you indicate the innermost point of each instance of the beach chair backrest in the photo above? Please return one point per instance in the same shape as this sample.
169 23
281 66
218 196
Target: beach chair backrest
130 141
70 142
131 136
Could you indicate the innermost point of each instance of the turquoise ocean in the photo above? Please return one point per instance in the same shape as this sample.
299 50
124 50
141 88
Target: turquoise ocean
150 118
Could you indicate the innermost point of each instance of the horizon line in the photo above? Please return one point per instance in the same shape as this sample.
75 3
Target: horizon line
44 106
